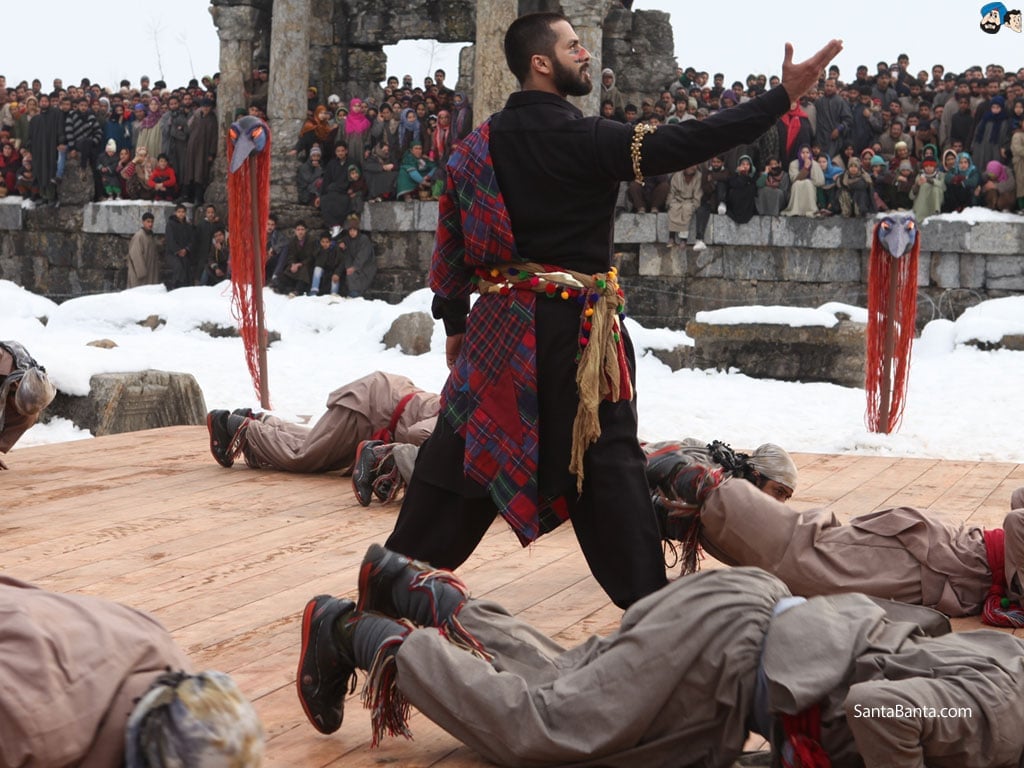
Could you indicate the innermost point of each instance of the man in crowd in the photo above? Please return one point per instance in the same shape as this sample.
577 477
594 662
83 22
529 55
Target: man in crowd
295 267
143 259
690 670
200 152
46 138
357 257
512 441
25 390
178 245
89 682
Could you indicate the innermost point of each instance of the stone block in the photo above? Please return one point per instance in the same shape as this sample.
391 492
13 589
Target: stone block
994 237
724 231
426 216
661 260
635 228
390 217
1006 284
947 235
127 402
752 264
125 217
972 270
706 263
411 333
662 228
807 232
945 270
676 358
998 266
805 265
773 351
10 212
924 272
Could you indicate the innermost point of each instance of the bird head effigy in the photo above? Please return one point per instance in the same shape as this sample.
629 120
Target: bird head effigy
897 233
247 135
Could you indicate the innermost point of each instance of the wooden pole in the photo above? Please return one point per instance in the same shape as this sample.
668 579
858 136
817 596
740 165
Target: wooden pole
257 282
889 346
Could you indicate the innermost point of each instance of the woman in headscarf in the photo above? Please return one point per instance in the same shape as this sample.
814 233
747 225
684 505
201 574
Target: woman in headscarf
409 130
961 184
150 134
416 174
855 190
136 175
462 120
991 133
805 177
998 188
357 130
828 202
317 130
308 177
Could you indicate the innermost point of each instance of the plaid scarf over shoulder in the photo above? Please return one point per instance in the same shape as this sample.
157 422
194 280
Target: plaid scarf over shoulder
490 397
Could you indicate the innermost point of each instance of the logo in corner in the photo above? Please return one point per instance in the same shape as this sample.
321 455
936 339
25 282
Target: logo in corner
994 17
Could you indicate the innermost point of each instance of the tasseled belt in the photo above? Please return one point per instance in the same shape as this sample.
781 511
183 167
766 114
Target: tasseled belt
602 372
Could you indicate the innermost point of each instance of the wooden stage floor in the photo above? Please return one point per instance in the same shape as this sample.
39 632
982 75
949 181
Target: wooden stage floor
226 558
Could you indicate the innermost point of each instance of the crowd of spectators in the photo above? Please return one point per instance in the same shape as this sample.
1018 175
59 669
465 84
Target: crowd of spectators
891 140
148 142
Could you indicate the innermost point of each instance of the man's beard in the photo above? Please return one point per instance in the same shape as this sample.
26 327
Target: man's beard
569 82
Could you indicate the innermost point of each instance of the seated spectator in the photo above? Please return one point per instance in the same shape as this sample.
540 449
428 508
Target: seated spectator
881 183
317 130
855 193
962 185
772 189
218 260
334 201
683 200
828 193
805 177
110 179
741 192
650 195
10 165
27 184
409 130
308 177
296 271
380 173
416 174
357 188
327 261
929 189
136 184
902 184
162 181
712 199
998 187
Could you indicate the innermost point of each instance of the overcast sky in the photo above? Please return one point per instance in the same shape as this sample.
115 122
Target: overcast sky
106 41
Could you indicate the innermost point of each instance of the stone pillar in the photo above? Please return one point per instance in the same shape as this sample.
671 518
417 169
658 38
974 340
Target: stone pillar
236 27
586 18
289 77
492 82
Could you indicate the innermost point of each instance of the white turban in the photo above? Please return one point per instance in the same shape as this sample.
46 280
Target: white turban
774 463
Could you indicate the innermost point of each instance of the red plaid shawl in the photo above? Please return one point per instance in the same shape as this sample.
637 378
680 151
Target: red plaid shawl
490 397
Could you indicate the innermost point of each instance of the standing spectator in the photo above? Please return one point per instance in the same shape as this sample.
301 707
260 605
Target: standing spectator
357 131
833 119
991 133
178 244
84 134
46 137
218 260
107 164
357 258
441 147
683 199
317 131
772 189
204 229
385 131
865 120
334 201
794 130
610 92
409 130
118 128
961 123
143 261
462 120
805 177
149 133
1017 152
175 131
200 152
163 181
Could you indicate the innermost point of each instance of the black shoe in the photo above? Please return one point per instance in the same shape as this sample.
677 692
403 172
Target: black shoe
380 570
220 438
364 471
327 669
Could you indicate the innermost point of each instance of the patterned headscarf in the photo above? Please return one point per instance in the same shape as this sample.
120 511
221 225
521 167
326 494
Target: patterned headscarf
194 721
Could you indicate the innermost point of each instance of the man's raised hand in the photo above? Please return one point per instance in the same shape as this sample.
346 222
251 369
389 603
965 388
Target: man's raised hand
798 78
